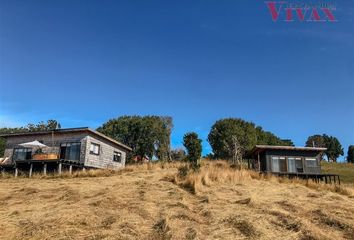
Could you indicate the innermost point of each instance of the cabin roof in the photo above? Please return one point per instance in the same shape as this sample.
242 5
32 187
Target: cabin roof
67 130
261 148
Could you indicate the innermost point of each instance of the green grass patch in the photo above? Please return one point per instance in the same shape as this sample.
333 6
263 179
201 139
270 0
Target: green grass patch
344 170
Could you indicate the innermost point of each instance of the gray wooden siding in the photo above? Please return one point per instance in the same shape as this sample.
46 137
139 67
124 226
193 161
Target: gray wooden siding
105 157
53 143
288 153
103 160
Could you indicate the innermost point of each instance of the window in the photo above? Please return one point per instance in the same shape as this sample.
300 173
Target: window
275 164
311 162
291 165
278 164
295 164
117 157
95 149
22 154
70 151
299 165
282 164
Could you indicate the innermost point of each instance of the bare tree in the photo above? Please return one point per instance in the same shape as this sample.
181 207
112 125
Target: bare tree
235 150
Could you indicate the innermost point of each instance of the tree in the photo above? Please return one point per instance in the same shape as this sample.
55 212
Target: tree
148 136
288 142
316 140
334 148
350 157
194 148
236 149
223 133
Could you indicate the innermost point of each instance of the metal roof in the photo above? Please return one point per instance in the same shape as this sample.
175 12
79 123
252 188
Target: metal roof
66 130
260 148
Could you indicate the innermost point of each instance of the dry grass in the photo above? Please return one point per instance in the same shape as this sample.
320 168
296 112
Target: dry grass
166 201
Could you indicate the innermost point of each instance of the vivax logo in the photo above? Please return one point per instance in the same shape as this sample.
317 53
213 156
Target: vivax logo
303 12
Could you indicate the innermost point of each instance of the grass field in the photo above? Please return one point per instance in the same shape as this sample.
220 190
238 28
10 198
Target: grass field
345 170
161 202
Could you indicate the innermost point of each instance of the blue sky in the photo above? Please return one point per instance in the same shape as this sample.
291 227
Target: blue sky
84 62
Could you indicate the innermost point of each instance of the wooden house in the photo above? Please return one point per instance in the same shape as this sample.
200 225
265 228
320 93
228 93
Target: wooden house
77 148
287 159
290 161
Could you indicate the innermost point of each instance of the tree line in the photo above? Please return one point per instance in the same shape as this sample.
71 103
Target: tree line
230 138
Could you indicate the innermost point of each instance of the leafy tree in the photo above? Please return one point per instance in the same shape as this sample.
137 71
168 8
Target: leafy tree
316 140
148 136
350 157
334 148
224 131
288 142
268 138
178 154
41 126
194 148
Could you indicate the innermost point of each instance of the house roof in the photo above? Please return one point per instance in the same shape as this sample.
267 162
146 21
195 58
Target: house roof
67 130
261 148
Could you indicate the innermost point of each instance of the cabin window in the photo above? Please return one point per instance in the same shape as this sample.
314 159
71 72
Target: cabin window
22 154
275 164
294 164
291 165
70 151
117 157
311 162
299 165
282 164
278 164
94 149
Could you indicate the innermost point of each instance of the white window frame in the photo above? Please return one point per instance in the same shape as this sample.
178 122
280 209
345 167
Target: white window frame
95 149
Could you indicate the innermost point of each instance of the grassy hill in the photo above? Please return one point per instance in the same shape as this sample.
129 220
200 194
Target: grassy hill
161 202
345 170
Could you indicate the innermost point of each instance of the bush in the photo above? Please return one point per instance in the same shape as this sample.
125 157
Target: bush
194 148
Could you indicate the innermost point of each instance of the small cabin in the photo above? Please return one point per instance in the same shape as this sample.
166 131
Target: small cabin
287 159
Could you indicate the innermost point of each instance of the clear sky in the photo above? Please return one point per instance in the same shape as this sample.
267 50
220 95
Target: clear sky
84 62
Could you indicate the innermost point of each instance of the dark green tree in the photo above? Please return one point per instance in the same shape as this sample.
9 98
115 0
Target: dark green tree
193 146
268 138
334 148
316 140
287 142
148 136
222 133
350 157
247 134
